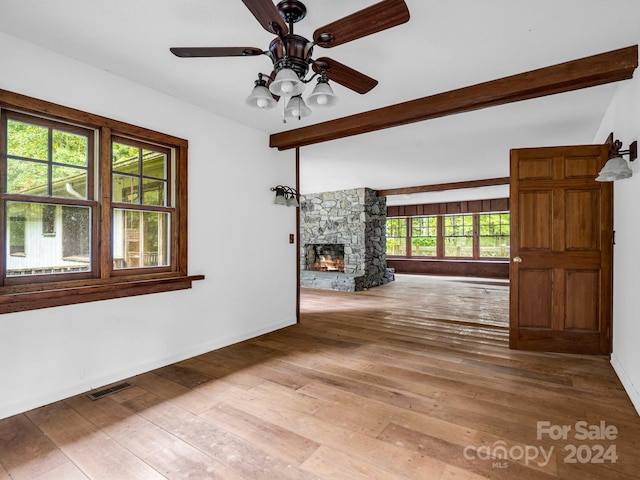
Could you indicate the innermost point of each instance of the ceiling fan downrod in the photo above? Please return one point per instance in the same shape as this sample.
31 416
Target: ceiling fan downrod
292 11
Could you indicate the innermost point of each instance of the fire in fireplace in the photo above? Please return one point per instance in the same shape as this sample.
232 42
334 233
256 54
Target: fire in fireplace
325 257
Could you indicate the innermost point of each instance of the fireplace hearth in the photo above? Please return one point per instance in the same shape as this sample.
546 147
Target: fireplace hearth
322 257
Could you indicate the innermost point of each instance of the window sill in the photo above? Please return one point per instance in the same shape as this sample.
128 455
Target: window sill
18 299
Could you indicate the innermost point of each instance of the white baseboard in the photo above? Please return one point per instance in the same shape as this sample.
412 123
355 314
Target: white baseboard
41 399
628 385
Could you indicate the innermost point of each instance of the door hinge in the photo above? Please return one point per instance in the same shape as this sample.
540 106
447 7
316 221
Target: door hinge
613 237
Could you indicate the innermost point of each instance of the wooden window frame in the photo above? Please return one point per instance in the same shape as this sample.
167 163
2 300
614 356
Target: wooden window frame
437 236
440 256
102 282
479 249
141 207
406 236
473 236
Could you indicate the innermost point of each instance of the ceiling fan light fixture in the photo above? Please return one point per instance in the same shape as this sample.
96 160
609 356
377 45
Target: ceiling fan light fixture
322 95
260 97
287 84
291 54
296 108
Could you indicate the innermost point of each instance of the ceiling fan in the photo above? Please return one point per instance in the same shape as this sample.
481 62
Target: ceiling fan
291 54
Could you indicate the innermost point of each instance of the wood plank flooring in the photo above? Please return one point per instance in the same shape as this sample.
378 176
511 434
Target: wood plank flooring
411 380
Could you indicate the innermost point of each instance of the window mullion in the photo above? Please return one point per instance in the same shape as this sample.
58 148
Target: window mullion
409 225
50 162
105 210
3 189
440 239
476 236
3 158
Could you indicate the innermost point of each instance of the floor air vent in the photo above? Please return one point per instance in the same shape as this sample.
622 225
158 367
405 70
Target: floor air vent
108 391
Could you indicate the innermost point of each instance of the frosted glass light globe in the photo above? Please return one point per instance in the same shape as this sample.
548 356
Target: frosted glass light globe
286 87
322 95
262 102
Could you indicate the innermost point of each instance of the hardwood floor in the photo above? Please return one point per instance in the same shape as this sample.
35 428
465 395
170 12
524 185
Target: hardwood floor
412 380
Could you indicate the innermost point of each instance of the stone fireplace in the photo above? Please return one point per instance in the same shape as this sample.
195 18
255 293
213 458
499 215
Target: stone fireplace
343 240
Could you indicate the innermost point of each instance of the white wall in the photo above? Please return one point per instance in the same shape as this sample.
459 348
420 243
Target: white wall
623 119
49 354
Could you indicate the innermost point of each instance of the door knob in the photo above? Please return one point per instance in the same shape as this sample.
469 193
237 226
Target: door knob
517 260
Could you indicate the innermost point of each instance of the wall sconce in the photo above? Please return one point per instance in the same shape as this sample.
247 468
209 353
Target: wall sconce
285 196
616 167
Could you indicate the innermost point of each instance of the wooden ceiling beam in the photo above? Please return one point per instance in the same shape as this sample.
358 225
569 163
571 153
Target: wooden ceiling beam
586 72
441 187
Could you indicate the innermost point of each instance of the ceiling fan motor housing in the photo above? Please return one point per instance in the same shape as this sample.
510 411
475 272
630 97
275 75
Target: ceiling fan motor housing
291 51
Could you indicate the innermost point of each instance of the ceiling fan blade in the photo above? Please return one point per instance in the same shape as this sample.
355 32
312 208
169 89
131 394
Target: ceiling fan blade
268 15
373 19
187 52
345 76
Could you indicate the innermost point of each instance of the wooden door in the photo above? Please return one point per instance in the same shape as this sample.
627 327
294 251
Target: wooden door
561 250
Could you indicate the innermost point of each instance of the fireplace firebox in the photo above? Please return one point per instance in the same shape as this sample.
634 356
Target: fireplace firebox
325 257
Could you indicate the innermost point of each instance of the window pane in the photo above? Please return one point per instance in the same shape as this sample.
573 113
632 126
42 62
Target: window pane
48 219
29 178
48 175
16 217
153 192
70 148
26 140
125 158
69 182
494 247
458 225
458 235
34 251
125 189
397 236
155 240
149 175
458 247
424 236
154 164
140 239
76 235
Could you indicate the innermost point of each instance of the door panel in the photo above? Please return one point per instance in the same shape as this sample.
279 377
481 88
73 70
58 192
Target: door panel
581 167
561 246
534 209
536 301
535 168
582 300
584 208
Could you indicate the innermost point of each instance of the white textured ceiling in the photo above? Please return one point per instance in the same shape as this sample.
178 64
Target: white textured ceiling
446 45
